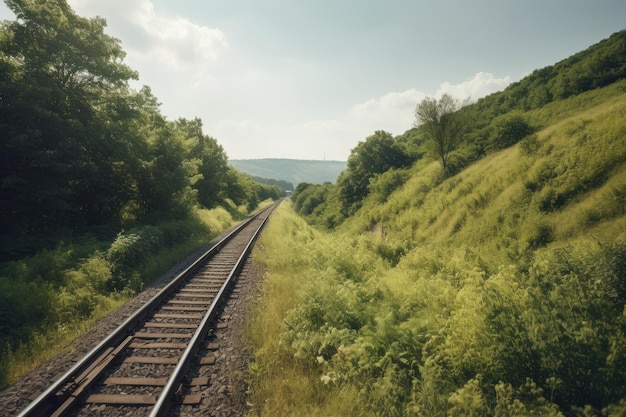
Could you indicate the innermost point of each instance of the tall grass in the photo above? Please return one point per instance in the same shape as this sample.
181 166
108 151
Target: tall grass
496 292
286 375
339 331
567 183
53 297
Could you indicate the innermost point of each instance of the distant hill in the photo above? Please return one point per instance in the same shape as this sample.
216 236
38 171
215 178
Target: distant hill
294 171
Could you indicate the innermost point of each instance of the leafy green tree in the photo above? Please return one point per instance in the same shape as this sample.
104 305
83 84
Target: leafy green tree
211 164
508 130
382 185
163 185
308 197
320 204
377 154
282 184
300 193
265 191
57 71
240 188
444 122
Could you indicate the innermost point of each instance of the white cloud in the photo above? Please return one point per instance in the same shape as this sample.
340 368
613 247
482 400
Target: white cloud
334 138
482 84
177 42
182 59
159 40
394 112
318 139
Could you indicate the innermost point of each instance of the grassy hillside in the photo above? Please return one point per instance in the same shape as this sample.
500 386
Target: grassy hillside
499 291
294 171
564 183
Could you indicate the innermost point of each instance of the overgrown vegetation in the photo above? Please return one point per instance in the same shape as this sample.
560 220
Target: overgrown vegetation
55 295
99 192
496 289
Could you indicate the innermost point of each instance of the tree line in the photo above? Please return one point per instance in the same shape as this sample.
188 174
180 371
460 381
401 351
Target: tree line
81 148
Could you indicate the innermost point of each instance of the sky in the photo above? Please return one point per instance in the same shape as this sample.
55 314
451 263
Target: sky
309 79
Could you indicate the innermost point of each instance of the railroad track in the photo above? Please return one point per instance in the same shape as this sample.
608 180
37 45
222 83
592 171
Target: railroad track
143 365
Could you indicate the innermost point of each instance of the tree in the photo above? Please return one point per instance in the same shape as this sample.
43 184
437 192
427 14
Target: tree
444 121
56 72
162 176
240 188
377 154
211 164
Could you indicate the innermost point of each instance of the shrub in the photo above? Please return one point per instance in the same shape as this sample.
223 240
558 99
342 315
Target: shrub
507 130
130 251
538 236
390 253
382 185
468 400
509 401
530 145
24 308
462 158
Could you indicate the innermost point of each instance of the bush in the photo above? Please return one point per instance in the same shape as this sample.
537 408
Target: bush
462 158
130 251
24 308
390 253
530 145
538 236
47 299
507 130
382 185
438 334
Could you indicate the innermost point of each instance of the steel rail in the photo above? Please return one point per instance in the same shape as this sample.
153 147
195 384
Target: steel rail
167 396
49 399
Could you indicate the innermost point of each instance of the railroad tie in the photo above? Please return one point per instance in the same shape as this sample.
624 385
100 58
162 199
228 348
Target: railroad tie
135 399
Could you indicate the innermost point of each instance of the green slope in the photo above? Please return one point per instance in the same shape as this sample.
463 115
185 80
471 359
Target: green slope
294 171
499 291
567 182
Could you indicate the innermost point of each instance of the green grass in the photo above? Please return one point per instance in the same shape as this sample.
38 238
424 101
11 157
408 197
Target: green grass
572 185
50 298
497 292
299 263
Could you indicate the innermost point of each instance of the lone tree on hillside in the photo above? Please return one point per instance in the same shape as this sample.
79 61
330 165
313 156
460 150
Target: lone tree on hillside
444 123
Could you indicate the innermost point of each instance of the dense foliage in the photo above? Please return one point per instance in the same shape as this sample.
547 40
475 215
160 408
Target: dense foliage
98 190
498 289
377 154
598 66
368 161
443 333
284 185
80 148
